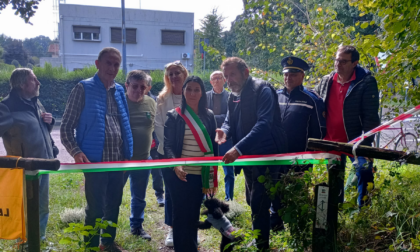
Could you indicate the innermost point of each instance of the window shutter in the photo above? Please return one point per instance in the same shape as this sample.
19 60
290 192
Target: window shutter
130 35
172 37
116 35
87 29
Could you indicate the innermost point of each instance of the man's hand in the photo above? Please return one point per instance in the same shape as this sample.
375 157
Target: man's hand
81 158
230 156
220 136
47 117
180 173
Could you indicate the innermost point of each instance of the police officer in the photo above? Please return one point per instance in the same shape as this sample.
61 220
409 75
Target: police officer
302 110
302 114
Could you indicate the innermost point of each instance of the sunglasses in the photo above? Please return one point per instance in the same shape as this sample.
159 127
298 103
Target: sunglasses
175 63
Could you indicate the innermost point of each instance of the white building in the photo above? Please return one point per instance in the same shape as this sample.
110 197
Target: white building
154 38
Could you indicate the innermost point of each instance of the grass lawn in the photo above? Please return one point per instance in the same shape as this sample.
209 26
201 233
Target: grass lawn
67 191
390 223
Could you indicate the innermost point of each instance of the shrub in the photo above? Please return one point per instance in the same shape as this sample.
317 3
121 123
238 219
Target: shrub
57 83
30 66
15 63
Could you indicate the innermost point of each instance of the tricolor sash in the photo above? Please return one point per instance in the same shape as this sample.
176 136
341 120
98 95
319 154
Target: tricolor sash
208 173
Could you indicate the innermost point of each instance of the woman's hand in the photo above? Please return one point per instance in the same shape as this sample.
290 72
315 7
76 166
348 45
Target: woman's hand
180 173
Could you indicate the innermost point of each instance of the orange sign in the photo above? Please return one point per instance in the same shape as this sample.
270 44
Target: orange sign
12 215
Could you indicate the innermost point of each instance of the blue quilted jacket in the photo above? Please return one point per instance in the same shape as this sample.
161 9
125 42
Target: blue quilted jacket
90 132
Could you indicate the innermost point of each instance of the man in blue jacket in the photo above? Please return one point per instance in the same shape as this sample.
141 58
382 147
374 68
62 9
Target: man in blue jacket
302 113
254 124
97 110
302 110
351 99
217 100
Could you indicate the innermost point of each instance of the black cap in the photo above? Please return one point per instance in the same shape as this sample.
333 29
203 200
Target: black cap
293 64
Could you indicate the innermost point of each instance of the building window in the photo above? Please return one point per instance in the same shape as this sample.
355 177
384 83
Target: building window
170 37
86 33
130 35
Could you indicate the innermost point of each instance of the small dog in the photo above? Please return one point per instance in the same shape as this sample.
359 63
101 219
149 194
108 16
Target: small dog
216 218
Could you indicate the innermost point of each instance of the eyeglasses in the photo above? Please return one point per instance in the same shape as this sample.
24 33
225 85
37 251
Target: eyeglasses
175 63
341 62
217 78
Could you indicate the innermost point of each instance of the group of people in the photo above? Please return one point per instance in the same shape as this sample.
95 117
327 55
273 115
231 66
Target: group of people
103 122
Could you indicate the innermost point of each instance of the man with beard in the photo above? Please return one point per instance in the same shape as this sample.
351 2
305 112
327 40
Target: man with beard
254 124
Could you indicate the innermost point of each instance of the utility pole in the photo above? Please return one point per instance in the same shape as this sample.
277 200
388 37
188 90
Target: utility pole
124 53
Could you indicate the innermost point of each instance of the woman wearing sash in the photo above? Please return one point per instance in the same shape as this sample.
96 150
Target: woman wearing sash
169 98
189 133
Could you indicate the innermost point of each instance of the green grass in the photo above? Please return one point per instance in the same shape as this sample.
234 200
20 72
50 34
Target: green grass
391 223
67 191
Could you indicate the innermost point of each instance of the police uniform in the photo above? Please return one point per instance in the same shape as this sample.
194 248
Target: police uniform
302 111
303 116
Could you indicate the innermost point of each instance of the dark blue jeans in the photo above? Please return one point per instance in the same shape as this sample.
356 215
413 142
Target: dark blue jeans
229 171
104 191
139 180
364 176
186 199
43 204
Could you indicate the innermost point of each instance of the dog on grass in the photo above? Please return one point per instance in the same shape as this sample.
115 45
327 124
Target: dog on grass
215 213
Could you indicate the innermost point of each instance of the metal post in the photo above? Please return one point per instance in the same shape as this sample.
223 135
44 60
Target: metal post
204 66
124 54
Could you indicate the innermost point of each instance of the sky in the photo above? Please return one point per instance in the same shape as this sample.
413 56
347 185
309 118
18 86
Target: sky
43 21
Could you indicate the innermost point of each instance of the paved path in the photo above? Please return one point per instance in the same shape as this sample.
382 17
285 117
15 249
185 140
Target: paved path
63 156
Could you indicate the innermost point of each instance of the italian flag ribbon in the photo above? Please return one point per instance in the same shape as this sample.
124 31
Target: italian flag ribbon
298 158
208 173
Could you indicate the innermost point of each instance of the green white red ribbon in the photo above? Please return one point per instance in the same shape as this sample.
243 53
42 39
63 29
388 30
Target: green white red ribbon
299 158
208 173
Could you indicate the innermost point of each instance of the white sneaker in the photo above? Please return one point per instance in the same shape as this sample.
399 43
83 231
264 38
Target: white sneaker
169 242
198 239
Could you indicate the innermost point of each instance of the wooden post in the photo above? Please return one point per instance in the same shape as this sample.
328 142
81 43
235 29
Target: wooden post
363 151
336 180
32 193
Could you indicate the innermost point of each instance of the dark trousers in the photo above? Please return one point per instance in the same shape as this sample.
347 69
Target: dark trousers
186 203
166 174
157 176
258 199
104 191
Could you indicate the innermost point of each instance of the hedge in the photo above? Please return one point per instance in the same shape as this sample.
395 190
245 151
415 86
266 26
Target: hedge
57 83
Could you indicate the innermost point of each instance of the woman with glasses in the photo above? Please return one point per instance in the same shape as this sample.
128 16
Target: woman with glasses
190 131
169 98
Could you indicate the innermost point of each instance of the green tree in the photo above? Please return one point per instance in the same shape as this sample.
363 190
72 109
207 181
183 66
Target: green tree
15 63
211 28
399 38
26 9
13 50
37 46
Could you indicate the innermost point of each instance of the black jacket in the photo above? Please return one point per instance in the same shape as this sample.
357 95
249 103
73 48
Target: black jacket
175 129
224 107
361 104
23 131
253 120
302 115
